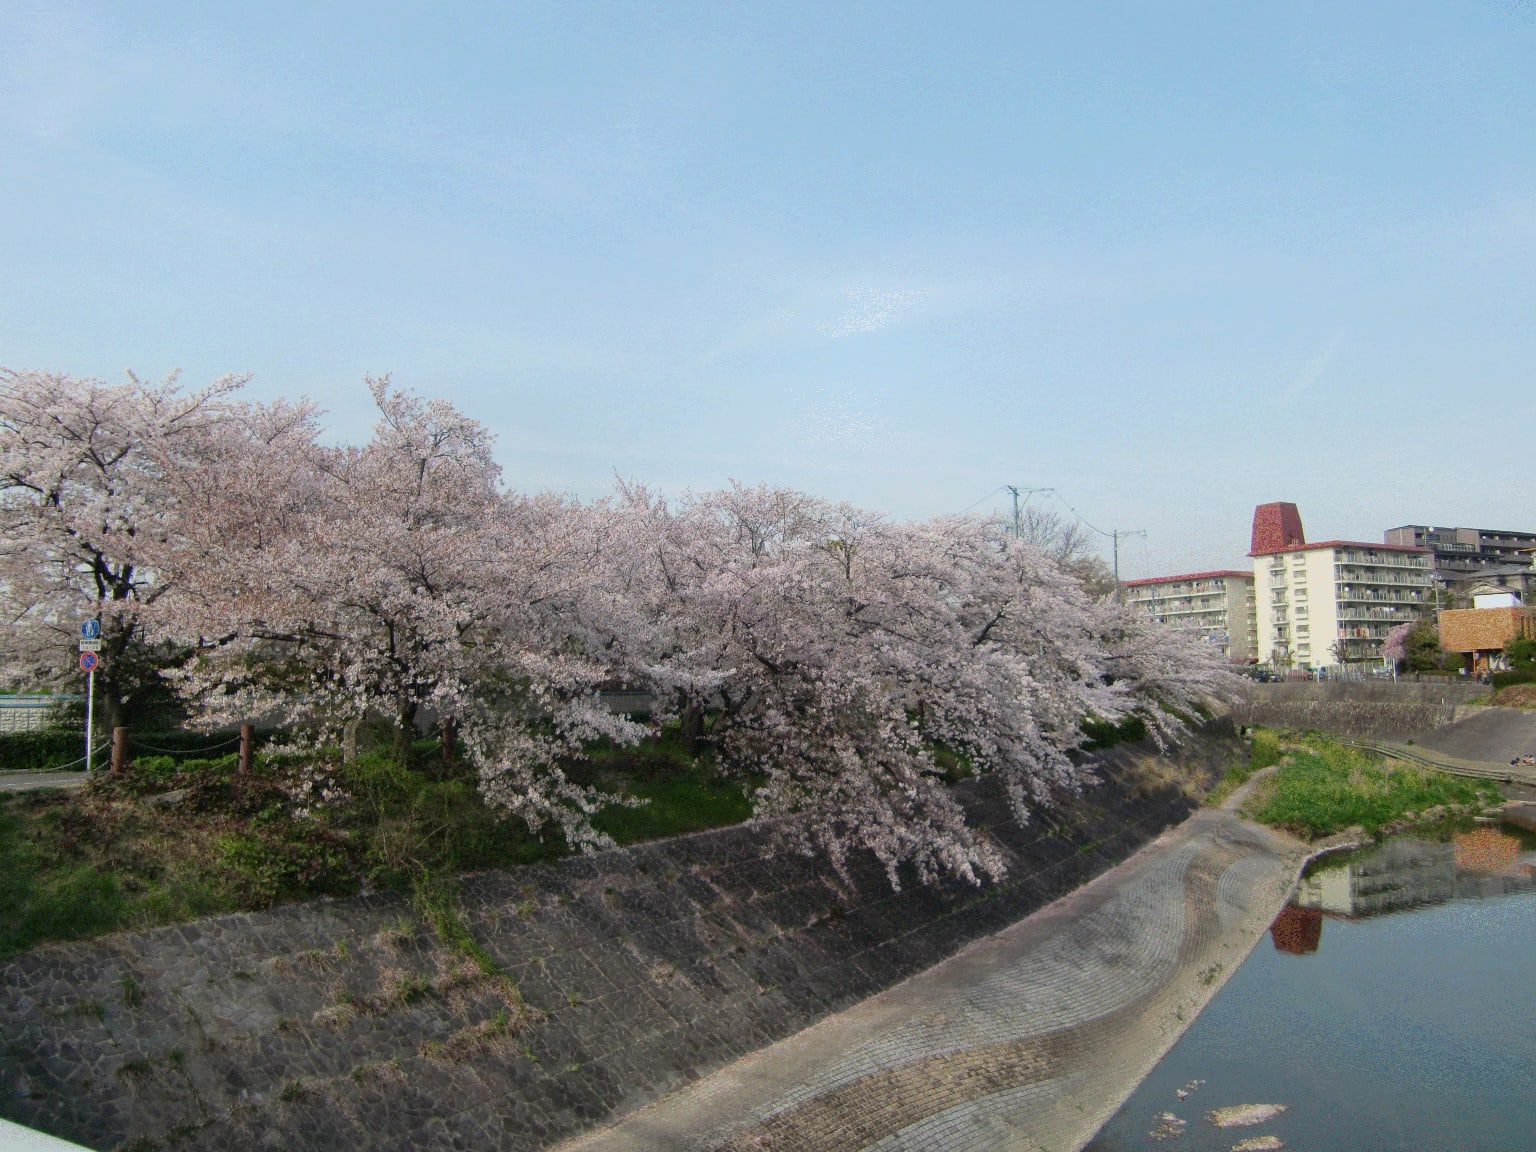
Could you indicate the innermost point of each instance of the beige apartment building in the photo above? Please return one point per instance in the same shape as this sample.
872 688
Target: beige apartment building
1334 602
1219 604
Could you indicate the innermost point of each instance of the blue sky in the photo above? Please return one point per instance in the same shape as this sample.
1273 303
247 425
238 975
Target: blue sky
1170 259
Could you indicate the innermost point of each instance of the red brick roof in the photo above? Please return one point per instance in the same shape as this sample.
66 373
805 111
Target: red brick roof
1190 576
1276 527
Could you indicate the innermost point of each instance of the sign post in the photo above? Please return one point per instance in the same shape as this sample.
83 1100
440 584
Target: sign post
90 644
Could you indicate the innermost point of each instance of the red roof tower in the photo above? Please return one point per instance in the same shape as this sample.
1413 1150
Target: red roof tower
1276 526
1297 930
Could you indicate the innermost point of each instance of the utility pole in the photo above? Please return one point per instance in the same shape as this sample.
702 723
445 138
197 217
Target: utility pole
1115 535
1028 492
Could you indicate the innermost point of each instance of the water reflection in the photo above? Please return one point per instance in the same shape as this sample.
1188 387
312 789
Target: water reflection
1297 930
1487 850
1401 873
1409 1031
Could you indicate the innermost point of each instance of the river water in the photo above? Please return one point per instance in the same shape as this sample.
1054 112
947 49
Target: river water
1392 1006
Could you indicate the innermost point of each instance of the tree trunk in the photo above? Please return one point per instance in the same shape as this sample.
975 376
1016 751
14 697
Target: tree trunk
446 733
692 727
349 739
110 710
405 730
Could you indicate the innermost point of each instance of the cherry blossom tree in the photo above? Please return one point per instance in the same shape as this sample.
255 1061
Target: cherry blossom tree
835 651
355 580
85 505
836 658
395 578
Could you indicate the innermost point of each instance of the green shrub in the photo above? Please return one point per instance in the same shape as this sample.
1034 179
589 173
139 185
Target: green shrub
181 744
160 769
1107 733
1522 654
260 868
1516 676
37 751
147 775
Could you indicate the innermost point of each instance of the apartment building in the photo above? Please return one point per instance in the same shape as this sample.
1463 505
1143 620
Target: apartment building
1462 552
1332 602
1219 604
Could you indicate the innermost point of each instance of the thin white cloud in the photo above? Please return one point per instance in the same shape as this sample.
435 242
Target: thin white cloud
871 309
841 431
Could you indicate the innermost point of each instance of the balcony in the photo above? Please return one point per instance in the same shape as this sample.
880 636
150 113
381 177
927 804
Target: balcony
1395 615
1380 580
1383 560
1364 632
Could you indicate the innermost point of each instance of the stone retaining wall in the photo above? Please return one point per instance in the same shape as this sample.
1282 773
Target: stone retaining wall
345 1024
1385 711
1379 721
1439 691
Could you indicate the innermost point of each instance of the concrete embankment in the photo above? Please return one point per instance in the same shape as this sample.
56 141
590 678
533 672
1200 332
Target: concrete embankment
627 975
1029 1039
1384 710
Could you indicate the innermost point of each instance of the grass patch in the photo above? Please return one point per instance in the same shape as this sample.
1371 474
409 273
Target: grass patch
1325 788
112 856
690 801
1266 749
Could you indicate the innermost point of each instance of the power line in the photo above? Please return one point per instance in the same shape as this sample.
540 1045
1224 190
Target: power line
1081 519
988 496
1114 534
1028 492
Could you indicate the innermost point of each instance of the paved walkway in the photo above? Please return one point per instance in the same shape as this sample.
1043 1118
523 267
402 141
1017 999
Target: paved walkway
1481 744
27 781
1488 733
1029 1039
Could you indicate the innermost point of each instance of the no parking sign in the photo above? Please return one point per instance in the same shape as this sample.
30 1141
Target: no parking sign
88 661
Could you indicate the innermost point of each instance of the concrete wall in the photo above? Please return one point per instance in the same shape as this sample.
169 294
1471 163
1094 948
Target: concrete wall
344 1024
1385 710
1404 691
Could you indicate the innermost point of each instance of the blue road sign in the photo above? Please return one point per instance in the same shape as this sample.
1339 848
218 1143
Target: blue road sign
90 629
88 661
